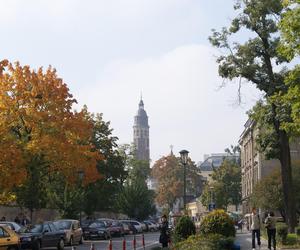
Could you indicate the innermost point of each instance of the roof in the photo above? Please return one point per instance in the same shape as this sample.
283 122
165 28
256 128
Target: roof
215 161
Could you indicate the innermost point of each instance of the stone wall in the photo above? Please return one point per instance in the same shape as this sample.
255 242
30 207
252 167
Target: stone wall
10 212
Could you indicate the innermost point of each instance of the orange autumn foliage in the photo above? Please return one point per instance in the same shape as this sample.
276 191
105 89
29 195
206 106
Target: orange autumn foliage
37 119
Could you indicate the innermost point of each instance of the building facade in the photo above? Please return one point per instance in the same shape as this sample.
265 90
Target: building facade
254 166
141 134
214 161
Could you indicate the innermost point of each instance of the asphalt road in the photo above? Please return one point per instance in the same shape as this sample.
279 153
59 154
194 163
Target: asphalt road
151 240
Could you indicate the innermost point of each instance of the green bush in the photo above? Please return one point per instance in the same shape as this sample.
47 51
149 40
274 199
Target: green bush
217 222
282 232
291 239
298 230
185 227
206 242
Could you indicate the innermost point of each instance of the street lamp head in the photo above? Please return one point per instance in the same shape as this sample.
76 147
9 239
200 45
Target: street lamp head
184 156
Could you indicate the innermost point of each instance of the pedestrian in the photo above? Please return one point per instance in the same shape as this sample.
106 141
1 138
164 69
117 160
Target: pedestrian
25 221
17 220
270 222
3 218
164 232
255 228
240 224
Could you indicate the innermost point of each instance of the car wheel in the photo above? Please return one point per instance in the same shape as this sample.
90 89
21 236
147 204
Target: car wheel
81 240
61 244
13 248
71 241
37 245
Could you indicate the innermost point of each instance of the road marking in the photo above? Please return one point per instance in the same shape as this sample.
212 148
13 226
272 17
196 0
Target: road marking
154 243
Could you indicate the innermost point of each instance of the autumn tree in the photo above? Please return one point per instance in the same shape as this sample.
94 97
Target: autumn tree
168 173
40 133
257 60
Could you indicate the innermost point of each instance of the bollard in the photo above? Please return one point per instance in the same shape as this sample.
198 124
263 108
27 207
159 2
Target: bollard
124 244
110 245
134 242
143 241
92 247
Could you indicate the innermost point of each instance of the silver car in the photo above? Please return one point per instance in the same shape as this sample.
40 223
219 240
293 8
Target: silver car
72 229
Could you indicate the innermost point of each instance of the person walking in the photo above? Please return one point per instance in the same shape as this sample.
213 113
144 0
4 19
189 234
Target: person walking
164 234
270 222
255 228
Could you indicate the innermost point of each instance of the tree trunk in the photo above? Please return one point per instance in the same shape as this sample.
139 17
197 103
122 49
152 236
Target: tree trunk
287 181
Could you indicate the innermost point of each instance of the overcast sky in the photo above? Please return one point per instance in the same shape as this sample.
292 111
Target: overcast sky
109 51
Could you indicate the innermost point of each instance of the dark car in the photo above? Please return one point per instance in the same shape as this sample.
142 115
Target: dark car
72 229
42 235
96 230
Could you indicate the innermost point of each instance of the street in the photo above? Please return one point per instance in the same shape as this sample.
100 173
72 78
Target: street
151 240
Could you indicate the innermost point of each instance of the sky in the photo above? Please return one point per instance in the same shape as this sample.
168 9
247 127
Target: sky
109 52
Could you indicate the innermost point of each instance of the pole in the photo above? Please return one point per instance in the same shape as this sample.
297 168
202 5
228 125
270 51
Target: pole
184 187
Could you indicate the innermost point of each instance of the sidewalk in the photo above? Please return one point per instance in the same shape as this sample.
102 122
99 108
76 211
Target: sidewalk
245 241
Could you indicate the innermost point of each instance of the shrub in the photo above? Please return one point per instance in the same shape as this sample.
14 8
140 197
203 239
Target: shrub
291 239
185 227
217 222
282 232
206 242
298 230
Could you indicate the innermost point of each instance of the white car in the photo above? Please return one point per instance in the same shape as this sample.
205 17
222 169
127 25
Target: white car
137 225
151 226
12 225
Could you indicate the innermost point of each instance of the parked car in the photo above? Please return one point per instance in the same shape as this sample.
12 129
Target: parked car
144 226
72 229
116 229
8 238
128 227
42 235
151 227
96 230
12 225
137 226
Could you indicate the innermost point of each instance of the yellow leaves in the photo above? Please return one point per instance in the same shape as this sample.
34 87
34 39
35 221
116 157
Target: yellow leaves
36 118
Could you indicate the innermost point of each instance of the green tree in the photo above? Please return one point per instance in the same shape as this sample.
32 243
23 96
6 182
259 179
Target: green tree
225 187
136 200
268 193
101 195
290 47
254 61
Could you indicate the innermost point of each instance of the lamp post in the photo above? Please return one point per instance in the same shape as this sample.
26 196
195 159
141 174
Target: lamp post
80 178
212 204
184 158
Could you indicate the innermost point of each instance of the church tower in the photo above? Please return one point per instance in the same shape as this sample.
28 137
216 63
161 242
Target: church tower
141 134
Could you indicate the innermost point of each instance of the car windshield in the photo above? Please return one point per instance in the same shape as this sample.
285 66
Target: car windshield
97 224
115 224
33 229
63 224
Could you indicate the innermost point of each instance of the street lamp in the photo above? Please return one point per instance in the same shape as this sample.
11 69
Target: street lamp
211 206
184 159
80 177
